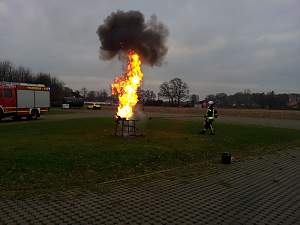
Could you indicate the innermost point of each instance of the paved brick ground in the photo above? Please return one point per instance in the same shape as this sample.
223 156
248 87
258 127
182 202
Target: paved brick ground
260 191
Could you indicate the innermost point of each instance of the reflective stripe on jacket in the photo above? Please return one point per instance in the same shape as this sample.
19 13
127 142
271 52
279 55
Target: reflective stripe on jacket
210 114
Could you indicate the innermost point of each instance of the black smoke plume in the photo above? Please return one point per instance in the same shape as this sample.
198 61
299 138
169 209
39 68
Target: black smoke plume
123 31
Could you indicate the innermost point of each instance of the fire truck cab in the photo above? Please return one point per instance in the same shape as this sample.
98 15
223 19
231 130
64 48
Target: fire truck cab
23 100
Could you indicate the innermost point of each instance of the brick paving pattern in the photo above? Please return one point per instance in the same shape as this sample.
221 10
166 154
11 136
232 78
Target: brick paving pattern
260 191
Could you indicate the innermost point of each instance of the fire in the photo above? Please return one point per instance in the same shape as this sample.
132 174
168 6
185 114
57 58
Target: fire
126 86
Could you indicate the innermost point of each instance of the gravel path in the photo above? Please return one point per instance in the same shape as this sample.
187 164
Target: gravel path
257 191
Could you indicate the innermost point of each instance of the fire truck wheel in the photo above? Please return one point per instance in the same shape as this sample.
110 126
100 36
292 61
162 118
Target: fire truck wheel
34 115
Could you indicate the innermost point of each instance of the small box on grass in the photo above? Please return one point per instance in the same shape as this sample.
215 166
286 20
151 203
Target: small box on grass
226 157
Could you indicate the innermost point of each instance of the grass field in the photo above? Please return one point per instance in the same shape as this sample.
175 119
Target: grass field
81 152
58 110
252 113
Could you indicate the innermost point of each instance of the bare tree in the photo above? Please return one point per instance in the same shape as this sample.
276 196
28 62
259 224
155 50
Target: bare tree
84 92
175 91
10 73
68 92
147 95
6 68
91 95
102 95
76 94
165 91
180 89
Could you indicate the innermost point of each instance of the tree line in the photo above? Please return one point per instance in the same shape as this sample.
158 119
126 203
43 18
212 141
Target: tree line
58 90
10 73
175 90
247 99
171 93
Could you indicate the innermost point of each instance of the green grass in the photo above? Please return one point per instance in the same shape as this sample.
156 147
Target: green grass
57 110
80 152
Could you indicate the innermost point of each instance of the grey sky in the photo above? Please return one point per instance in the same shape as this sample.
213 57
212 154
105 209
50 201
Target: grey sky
215 46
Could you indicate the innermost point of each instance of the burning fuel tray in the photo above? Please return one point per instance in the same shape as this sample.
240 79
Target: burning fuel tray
124 127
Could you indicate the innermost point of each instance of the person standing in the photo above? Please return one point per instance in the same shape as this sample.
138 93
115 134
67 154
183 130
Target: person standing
210 116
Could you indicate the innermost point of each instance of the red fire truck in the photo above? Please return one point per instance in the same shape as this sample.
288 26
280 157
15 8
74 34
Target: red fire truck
23 100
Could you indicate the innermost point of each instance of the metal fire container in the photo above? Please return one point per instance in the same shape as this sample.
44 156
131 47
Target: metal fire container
124 127
226 158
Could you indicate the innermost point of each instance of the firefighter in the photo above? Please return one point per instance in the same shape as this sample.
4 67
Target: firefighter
210 116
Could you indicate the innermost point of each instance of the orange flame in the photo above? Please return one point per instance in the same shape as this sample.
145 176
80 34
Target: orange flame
126 86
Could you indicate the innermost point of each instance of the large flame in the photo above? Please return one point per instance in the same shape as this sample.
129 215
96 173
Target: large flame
126 86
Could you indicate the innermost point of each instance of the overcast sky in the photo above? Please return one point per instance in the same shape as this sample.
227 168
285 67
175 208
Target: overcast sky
214 45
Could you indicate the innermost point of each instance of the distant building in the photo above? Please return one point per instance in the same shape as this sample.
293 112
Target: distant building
74 102
294 101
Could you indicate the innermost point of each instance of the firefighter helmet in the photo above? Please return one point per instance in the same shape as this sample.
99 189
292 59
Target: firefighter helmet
211 103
